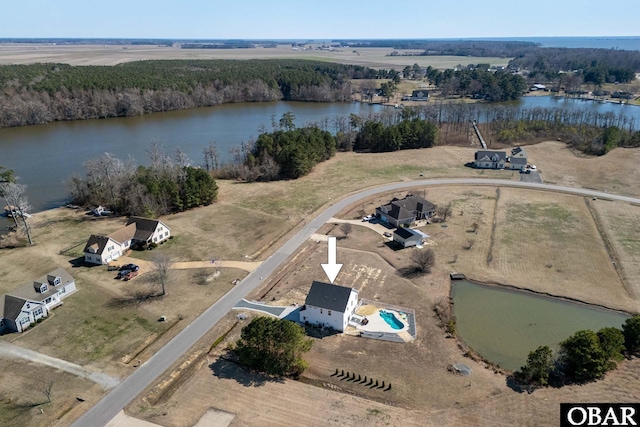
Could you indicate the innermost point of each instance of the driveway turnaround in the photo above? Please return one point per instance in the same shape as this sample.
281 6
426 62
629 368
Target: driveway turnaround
10 350
107 408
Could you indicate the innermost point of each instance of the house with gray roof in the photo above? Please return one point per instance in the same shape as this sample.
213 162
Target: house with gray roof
104 249
518 159
329 305
488 159
404 212
420 95
407 237
28 303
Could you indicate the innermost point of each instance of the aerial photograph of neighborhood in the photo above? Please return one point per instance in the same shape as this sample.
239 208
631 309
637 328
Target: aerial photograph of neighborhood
333 214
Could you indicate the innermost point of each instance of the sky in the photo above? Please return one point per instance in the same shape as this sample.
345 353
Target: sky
323 20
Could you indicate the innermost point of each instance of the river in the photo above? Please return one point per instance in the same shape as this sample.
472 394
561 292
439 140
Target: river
44 157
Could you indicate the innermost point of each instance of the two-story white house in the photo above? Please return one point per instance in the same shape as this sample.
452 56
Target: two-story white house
26 304
104 249
329 305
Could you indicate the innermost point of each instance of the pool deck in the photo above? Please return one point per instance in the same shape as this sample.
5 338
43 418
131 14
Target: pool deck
377 327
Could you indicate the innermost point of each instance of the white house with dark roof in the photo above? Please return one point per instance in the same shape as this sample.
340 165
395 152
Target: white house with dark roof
329 305
33 301
487 159
104 249
518 159
407 237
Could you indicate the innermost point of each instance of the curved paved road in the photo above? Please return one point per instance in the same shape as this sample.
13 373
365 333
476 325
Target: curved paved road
119 397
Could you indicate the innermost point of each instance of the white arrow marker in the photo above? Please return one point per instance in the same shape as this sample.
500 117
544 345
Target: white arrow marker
332 269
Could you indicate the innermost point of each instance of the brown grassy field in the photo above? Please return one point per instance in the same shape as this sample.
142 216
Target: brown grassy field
620 224
424 392
112 55
272 210
21 402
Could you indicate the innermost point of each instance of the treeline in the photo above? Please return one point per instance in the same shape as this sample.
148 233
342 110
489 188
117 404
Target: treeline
40 93
487 48
376 137
585 130
285 153
583 357
289 152
596 66
167 185
479 83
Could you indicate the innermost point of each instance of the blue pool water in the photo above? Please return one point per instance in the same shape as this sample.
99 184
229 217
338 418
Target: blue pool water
391 320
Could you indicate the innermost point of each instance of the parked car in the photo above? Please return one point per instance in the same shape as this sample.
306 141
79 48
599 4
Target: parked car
131 267
122 273
130 275
386 234
367 218
113 267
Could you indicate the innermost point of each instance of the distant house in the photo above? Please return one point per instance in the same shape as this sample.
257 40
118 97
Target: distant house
407 237
403 212
486 159
518 159
104 249
537 86
329 305
26 304
420 95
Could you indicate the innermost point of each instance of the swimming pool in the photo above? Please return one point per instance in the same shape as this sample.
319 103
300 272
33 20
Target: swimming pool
391 319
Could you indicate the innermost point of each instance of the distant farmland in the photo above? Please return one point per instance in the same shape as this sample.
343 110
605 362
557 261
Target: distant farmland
112 55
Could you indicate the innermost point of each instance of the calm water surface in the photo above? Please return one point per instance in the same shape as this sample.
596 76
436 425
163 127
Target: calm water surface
44 157
504 325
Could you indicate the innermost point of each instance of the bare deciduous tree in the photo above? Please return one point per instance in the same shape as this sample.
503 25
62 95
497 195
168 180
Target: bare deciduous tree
422 260
16 198
162 269
346 228
45 386
211 156
444 211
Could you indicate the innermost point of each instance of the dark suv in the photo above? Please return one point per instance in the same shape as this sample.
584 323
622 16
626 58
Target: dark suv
130 267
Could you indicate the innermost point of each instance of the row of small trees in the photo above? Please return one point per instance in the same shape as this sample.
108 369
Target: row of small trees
585 356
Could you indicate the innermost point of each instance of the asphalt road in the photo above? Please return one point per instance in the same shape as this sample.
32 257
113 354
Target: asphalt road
120 396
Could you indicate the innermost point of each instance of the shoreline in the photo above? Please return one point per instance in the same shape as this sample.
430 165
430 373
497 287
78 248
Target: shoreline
518 289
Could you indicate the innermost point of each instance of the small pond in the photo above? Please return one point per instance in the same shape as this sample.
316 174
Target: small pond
504 325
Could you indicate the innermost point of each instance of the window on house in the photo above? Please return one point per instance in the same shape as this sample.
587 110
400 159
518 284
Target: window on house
62 290
329 312
38 312
155 239
320 311
24 320
166 234
56 281
47 301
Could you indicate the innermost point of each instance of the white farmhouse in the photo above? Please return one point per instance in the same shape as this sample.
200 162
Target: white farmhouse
329 306
104 249
25 305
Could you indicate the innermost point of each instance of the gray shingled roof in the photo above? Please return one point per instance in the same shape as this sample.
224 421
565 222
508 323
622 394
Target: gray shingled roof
99 241
480 154
144 227
518 161
328 296
405 208
11 306
28 291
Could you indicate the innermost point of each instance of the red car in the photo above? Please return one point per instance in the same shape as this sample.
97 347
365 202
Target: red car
130 275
